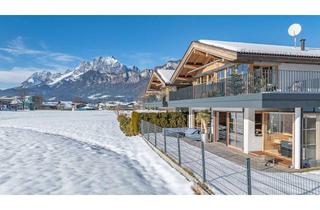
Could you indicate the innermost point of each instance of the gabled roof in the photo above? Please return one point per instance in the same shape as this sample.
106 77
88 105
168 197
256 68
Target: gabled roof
253 48
165 75
161 75
206 52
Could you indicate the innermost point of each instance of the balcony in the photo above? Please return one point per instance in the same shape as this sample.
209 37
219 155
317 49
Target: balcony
288 84
158 100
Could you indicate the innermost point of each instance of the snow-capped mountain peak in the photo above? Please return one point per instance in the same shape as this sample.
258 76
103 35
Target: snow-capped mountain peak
105 76
37 78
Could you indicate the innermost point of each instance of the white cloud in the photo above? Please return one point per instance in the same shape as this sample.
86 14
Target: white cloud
63 57
16 43
16 75
6 58
17 47
47 60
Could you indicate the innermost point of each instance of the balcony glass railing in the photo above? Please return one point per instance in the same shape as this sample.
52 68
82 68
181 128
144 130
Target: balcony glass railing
153 98
156 99
282 81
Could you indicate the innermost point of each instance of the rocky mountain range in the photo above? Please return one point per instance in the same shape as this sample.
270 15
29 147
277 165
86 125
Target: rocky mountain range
101 79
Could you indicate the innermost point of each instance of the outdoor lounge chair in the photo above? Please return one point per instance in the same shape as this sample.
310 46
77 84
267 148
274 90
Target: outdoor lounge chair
285 148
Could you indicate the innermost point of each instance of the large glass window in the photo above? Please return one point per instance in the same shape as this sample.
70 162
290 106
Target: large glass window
309 153
237 69
242 68
220 74
258 124
280 123
279 135
222 127
265 78
236 129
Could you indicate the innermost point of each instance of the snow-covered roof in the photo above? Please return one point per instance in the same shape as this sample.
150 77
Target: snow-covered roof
165 74
254 48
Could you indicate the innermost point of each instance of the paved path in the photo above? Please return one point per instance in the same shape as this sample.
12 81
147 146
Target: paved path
228 177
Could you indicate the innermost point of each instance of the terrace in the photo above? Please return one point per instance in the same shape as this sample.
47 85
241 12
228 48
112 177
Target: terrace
263 87
155 100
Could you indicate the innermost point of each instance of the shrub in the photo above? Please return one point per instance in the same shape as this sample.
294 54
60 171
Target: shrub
203 117
131 126
135 123
162 119
125 125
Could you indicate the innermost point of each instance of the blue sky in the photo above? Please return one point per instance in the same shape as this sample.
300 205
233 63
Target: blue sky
55 43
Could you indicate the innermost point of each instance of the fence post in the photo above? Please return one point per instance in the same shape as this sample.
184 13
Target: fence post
141 127
179 151
249 176
148 131
165 140
204 179
155 135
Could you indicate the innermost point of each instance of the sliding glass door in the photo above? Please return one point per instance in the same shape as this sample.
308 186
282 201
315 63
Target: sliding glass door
236 129
230 128
222 127
310 155
278 135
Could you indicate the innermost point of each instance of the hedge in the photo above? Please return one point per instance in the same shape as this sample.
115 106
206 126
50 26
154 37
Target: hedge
125 124
166 119
131 126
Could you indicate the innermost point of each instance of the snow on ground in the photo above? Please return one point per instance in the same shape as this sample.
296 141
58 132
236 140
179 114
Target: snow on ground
64 152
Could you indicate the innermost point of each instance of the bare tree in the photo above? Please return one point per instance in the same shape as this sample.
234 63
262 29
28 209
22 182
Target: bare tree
37 101
23 93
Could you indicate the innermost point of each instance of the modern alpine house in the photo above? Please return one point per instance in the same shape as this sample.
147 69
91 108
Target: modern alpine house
264 99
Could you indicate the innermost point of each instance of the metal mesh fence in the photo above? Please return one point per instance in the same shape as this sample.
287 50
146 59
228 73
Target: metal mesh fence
227 174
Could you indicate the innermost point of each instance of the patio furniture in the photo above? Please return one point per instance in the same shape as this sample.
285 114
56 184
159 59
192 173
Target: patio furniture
174 132
193 133
267 160
285 148
296 86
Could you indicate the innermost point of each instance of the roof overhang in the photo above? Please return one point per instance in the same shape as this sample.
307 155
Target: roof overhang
155 84
256 57
197 56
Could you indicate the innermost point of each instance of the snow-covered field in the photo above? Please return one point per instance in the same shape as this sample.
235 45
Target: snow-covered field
63 152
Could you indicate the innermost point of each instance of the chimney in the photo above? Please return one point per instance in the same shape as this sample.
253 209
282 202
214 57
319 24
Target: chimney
303 44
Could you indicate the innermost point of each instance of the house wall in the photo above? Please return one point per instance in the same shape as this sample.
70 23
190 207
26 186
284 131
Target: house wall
297 138
191 118
249 141
318 137
247 126
257 145
298 67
